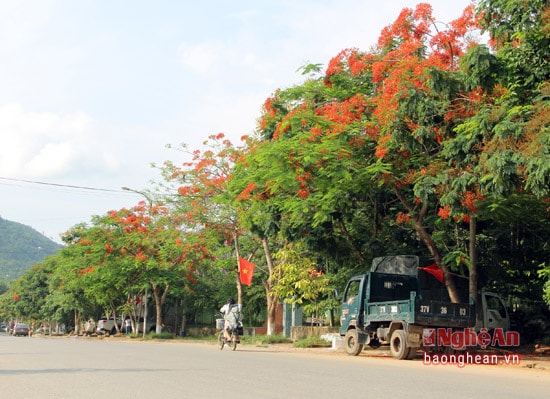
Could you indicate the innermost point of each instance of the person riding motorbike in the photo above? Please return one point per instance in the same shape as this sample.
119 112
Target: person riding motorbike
230 313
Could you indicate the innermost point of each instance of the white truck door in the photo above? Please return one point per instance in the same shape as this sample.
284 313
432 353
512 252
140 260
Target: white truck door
495 314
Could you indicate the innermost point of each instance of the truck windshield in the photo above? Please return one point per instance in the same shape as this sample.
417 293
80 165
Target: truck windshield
494 303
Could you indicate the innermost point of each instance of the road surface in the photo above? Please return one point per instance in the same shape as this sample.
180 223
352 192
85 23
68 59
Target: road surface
107 368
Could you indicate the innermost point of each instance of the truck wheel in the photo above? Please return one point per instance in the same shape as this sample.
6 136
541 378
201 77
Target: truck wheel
351 343
398 345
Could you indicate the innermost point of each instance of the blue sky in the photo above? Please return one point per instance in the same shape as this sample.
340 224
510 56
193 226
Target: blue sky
92 91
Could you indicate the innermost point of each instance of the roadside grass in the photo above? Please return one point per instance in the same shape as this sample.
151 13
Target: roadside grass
164 335
312 342
265 340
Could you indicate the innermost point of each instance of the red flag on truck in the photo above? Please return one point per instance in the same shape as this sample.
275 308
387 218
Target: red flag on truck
246 271
435 271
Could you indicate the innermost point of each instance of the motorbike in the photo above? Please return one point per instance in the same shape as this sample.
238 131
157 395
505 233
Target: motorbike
234 334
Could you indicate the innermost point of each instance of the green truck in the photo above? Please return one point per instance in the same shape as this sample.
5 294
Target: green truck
385 305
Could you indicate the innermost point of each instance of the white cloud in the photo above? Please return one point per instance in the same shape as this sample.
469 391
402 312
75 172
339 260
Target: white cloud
53 159
47 144
203 58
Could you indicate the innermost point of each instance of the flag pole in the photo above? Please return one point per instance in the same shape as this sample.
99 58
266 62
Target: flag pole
238 274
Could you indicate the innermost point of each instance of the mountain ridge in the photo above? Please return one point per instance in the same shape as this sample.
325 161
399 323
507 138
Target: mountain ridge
21 247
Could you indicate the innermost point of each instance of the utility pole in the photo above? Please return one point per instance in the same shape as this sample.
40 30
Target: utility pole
150 201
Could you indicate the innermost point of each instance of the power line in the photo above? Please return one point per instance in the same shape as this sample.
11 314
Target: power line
62 185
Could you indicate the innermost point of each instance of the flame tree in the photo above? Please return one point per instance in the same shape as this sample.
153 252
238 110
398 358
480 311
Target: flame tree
401 136
127 252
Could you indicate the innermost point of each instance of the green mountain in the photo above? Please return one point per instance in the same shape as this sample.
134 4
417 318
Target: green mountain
20 248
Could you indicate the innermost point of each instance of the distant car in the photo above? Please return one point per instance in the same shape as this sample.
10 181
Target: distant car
43 330
151 326
3 328
105 325
21 329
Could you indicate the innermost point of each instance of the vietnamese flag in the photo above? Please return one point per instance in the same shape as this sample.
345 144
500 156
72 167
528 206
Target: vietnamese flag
246 271
435 271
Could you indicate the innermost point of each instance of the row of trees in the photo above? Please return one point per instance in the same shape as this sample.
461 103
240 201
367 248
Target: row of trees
430 143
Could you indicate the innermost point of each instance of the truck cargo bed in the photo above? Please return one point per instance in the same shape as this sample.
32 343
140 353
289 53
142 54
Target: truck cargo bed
421 312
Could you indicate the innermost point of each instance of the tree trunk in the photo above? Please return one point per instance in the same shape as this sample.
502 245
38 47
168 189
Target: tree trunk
76 323
114 313
472 291
427 239
272 300
183 316
159 300
158 310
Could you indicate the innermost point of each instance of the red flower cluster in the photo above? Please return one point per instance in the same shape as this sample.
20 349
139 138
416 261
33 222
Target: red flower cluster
471 199
247 192
141 256
403 218
86 271
315 273
444 212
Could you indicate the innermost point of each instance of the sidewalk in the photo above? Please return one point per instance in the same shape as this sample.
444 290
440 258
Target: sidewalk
529 357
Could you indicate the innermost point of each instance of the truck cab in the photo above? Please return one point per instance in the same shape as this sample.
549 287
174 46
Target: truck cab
491 312
374 288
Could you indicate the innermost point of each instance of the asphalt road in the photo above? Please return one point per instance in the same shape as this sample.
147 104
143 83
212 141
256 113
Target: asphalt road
111 368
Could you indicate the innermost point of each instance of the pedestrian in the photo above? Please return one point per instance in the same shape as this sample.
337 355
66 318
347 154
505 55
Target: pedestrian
127 325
